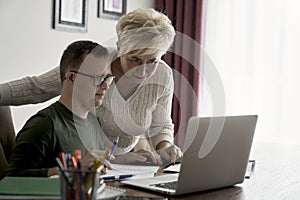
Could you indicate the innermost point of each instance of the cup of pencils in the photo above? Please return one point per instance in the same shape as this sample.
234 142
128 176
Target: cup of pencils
79 185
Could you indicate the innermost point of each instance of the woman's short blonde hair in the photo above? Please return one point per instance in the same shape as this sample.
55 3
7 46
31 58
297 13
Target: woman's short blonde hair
143 29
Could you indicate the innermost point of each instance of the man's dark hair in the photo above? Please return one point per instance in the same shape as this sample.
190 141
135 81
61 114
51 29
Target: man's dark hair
75 54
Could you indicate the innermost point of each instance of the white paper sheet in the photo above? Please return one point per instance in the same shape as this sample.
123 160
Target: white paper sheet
139 171
173 168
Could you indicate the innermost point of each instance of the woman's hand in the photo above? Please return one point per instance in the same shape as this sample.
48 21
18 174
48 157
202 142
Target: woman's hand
139 157
170 153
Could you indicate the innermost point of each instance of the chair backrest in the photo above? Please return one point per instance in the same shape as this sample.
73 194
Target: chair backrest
7 138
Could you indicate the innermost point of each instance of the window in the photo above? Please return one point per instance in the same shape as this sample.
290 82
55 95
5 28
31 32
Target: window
254 47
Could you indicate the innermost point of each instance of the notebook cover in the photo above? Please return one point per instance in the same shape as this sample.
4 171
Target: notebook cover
30 186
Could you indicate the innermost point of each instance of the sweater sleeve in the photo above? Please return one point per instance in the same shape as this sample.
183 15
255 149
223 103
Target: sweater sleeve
32 155
30 90
162 127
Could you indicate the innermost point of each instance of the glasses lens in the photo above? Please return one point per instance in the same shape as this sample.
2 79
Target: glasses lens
98 80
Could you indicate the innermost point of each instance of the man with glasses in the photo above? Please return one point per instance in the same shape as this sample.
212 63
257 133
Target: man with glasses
68 124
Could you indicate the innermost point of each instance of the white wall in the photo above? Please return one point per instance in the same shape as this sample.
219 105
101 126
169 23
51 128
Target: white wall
29 45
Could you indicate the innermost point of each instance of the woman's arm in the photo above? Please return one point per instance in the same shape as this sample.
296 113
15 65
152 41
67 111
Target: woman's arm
30 90
162 127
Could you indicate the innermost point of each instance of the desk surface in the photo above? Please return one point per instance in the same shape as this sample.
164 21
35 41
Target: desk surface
276 175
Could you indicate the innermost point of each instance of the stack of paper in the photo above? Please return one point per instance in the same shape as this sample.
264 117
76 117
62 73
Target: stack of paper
130 171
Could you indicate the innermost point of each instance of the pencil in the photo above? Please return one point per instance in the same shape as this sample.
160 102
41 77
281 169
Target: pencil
88 180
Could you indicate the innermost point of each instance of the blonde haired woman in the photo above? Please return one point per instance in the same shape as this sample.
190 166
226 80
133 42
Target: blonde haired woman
138 102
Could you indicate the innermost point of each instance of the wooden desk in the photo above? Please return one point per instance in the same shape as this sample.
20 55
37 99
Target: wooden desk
276 176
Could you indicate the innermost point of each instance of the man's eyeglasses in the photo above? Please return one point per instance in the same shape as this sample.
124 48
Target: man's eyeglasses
98 80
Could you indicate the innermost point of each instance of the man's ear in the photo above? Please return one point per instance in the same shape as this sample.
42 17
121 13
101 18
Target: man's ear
69 77
72 77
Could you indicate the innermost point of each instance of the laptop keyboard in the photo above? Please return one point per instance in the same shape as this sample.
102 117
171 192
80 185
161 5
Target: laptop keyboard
169 185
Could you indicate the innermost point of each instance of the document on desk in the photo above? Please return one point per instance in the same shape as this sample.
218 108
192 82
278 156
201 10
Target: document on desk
173 168
120 171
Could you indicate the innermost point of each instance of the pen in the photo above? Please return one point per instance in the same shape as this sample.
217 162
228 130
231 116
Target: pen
61 169
113 148
117 177
73 162
62 162
68 160
81 180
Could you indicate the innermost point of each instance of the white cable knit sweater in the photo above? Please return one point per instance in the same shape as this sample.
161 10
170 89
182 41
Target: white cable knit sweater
146 112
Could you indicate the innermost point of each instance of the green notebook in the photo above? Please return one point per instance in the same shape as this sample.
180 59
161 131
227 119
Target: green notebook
30 186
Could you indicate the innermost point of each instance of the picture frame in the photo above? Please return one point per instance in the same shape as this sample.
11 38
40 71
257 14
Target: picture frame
111 9
70 15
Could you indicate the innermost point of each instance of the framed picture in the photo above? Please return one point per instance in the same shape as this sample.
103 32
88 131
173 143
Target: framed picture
70 15
111 9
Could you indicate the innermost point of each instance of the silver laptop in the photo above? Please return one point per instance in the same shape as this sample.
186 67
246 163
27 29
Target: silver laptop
216 153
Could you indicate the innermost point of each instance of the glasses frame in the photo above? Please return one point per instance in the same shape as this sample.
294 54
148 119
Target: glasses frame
98 80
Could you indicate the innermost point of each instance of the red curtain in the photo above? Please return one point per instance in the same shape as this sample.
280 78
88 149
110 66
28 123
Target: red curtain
184 58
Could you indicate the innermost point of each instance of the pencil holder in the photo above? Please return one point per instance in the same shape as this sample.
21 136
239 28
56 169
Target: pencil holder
79 185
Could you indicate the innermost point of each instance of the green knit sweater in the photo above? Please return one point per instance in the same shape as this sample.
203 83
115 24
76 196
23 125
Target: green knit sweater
52 130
